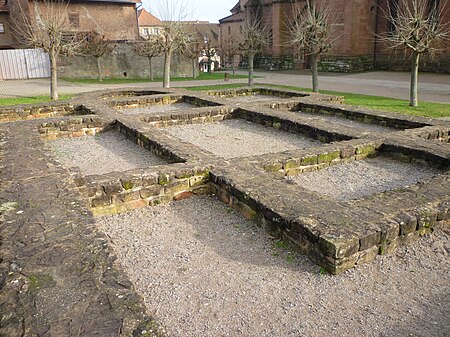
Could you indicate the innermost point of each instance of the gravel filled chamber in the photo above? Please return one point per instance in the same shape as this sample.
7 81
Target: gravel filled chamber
205 271
362 178
236 138
103 153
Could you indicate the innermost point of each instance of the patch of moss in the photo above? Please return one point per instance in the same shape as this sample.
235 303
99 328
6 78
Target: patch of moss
40 281
127 185
163 179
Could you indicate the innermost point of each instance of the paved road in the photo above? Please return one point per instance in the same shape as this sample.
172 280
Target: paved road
432 87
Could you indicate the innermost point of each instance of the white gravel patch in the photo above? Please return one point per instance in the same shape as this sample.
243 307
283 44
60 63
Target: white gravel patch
103 153
236 138
362 178
157 108
204 271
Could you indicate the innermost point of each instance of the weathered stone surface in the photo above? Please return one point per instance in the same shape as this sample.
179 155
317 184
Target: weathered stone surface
63 280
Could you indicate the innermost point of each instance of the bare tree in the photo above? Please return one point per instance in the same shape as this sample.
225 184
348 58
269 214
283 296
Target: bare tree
192 51
415 27
96 45
255 39
174 34
311 32
230 50
149 48
50 30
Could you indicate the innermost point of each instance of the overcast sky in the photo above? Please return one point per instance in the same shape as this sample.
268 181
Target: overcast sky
204 10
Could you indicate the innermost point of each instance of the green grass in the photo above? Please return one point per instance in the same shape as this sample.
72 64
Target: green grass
201 77
29 100
426 109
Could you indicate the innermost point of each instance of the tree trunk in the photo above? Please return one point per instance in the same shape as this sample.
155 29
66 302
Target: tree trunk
413 100
150 68
233 66
167 60
251 57
194 68
315 72
99 69
54 75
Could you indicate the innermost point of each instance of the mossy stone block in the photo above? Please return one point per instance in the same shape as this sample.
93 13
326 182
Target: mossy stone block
328 157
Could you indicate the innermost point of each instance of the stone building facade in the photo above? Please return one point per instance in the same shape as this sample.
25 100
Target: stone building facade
116 19
356 47
6 34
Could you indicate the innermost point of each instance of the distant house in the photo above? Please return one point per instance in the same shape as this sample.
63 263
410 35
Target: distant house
206 37
6 37
148 24
116 19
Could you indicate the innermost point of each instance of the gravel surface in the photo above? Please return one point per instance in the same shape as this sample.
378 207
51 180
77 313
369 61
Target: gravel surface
204 271
363 178
106 152
254 98
157 108
348 123
239 138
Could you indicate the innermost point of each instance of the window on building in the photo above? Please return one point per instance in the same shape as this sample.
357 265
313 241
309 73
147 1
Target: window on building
74 19
2 28
229 30
145 31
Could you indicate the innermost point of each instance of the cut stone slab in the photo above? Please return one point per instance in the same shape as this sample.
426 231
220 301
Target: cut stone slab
255 98
104 153
237 138
158 108
349 123
362 178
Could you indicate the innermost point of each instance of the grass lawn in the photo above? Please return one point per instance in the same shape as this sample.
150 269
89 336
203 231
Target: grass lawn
426 109
30 100
201 77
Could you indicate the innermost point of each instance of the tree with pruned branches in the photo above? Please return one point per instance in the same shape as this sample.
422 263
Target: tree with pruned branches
310 31
96 45
192 51
416 27
174 34
148 47
230 50
254 40
50 30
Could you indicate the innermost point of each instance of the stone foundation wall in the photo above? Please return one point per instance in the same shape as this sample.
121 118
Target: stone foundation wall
339 249
435 133
118 192
256 91
74 127
320 158
26 112
135 103
206 115
289 125
146 141
393 120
